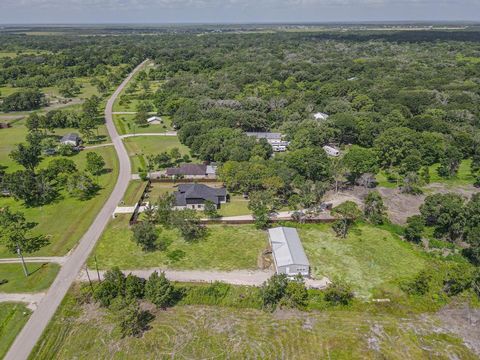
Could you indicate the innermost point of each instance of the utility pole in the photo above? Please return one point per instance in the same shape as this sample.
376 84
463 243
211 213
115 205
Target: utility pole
89 280
19 252
96 267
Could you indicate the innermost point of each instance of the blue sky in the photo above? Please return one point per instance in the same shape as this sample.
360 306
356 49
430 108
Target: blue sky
226 11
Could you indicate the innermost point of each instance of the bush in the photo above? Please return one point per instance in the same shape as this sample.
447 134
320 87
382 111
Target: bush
160 291
339 294
414 229
111 287
3 281
134 287
145 234
457 279
273 290
296 294
131 320
420 285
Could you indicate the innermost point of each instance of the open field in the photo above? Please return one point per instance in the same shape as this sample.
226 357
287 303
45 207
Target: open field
12 318
133 193
224 248
207 332
369 258
236 206
40 278
67 219
125 124
140 146
464 177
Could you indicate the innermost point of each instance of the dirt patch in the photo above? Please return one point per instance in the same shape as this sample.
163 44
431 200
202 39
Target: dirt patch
463 322
400 206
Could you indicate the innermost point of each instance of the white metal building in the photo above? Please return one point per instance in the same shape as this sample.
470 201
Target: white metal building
288 253
320 116
155 120
331 150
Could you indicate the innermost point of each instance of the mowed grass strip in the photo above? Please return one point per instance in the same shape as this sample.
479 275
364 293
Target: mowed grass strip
224 248
40 278
12 318
134 192
216 332
66 220
368 258
140 146
125 124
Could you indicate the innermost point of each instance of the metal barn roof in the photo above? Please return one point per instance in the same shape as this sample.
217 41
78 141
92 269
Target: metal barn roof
287 247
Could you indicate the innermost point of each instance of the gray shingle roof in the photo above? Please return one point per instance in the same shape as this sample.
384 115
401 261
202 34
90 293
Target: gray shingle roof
198 191
70 137
188 169
265 135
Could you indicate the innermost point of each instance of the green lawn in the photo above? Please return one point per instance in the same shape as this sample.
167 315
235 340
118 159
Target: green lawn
134 191
224 248
67 219
12 318
236 206
40 278
140 146
215 332
368 258
125 124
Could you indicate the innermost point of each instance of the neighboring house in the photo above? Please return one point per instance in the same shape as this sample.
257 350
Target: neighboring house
155 120
274 139
194 196
288 253
71 139
331 151
320 116
192 171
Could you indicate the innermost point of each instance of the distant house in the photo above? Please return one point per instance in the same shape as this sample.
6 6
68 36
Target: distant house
331 151
274 139
194 196
288 253
71 139
320 116
192 171
155 120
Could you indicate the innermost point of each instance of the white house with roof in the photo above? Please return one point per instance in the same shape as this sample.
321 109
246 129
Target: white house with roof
274 139
288 253
155 120
71 139
320 116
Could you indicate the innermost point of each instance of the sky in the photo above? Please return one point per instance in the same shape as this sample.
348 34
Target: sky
233 11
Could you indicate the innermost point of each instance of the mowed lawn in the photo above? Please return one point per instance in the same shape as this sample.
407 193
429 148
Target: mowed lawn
368 258
67 219
215 332
125 124
40 278
12 318
140 146
224 248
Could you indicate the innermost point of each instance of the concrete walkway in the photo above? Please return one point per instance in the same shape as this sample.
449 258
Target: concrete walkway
97 146
32 299
48 259
168 133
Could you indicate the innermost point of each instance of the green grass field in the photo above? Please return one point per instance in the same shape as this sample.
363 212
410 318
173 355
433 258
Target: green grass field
140 146
125 124
134 191
368 258
215 332
464 177
40 278
224 248
12 318
236 206
67 219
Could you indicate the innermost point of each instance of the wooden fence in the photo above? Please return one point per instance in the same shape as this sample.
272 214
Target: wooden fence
134 218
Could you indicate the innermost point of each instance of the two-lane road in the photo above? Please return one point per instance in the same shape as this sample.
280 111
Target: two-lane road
33 329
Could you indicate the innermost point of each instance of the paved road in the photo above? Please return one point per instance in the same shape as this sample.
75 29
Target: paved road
33 329
46 259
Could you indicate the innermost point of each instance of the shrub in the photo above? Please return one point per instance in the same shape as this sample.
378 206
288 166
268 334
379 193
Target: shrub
160 291
111 287
134 287
296 295
339 294
131 320
457 279
273 290
420 285
414 229
145 234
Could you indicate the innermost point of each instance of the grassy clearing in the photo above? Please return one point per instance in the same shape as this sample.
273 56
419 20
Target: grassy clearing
224 248
40 278
67 219
464 177
125 124
141 146
236 206
216 332
368 258
12 318
133 193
